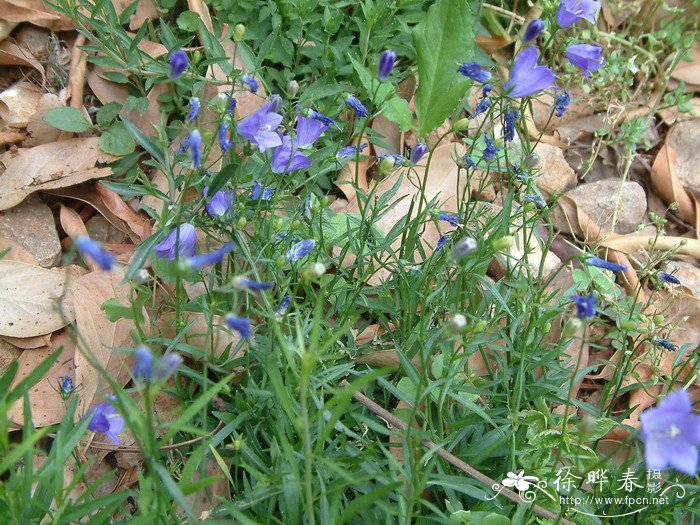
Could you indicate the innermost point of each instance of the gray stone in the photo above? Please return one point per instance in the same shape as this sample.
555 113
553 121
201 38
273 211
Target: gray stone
684 139
554 175
32 225
602 199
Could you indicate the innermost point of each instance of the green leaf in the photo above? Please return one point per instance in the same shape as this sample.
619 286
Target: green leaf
188 21
396 109
67 119
116 140
108 113
444 38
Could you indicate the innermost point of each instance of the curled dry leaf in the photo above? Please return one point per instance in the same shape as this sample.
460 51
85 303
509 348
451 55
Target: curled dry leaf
636 243
50 166
48 408
40 131
36 12
29 343
12 55
8 354
18 103
99 335
689 72
33 299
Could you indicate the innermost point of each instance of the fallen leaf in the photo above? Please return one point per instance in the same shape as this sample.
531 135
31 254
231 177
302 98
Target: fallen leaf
32 299
12 55
36 13
8 354
138 223
17 252
29 343
50 166
18 103
40 131
689 72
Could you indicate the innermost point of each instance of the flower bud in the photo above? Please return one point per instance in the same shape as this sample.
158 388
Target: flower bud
386 64
292 88
533 30
241 223
238 32
461 125
573 327
480 327
314 271
386 164
503 243
464 247
457 324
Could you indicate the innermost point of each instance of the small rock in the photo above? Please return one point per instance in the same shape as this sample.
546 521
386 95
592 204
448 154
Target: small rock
600 199
684 139
31 224
688 274
555 174
100 229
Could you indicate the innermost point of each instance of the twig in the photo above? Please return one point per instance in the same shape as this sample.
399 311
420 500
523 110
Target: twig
464 467
519 19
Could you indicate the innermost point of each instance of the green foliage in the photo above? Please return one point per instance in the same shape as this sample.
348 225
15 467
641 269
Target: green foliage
67 119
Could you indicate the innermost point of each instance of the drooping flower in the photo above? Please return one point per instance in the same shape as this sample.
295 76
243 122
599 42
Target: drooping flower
571 11
178 64
491 150
231 105
533 30
239 324
195 144
283 306
220 204
184 144
563 102
442 241
417 152
527 77
350 151
308 131
665 344
194 109
251 285
482 107
260 127
66 385
197 262
106 420
585 305
671 434
182 244
94 250
287 158
312 113
250 82
398 160
486 90
464 247
143 364
355 104
146 367
509 128
586 57
605 265
386 64
167 365
451 218
669 278
475 72
260 192
224 137
300 250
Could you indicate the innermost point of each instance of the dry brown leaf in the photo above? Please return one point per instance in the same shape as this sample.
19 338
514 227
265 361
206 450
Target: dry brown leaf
8 354
669 187
12 55
636 243
17 252
50 166
48 408
206 500
71 223
32 299
12 137
99 335
40 131
139 224
29 343
689 72
146 10
18 103
36 13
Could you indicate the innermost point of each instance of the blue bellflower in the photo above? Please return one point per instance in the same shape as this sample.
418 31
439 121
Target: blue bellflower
94 250
231 104
260 192
283 306
509 129
671 434
308 131
147 368
239 324
442 241
563 102
571 11
225 137
482 107
287 158
417 152
184 145
300 250
386 64
585 306
665 344
355 104
250 82
533 30
605 265
491 150
586 57
178 64
669 278
474 71
195 144
350 151
464 247
451 218
260 127
194 109
251 285
169 249
197 262
106 420
66 385
220 204
312 113
527 77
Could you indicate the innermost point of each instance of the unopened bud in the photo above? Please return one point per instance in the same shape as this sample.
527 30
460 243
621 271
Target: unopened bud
573 327
386 164
457 324
238 32
461 125
464 247
241 223
503 243
314 271
292 88
480 327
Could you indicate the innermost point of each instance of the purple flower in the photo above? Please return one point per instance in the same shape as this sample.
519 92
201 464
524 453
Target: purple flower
442 241
143 364
106 419
605 265
355 104
451 218
490 150
308 131
195 144
475 72
571 11
312 113
350 151
197 262
563 102
258 192
464 247
300 250
509 128
231 105
250 82
184 144
286 158
220 204
250 285
527 77
398 159
94 250
259 128
665 344
533 30
239 324
417 152
482 107
167 365
283 306
224 141
486 90
168 248
194 109
386 64
585 305
671 433
669 278
66 385
585 57
178 63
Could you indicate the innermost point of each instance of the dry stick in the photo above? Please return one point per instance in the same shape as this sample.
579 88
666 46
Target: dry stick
464 467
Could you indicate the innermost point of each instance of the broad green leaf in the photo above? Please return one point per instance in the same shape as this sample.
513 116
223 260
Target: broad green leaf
188 21
67 119
396 109
442 40
108 113
116 140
